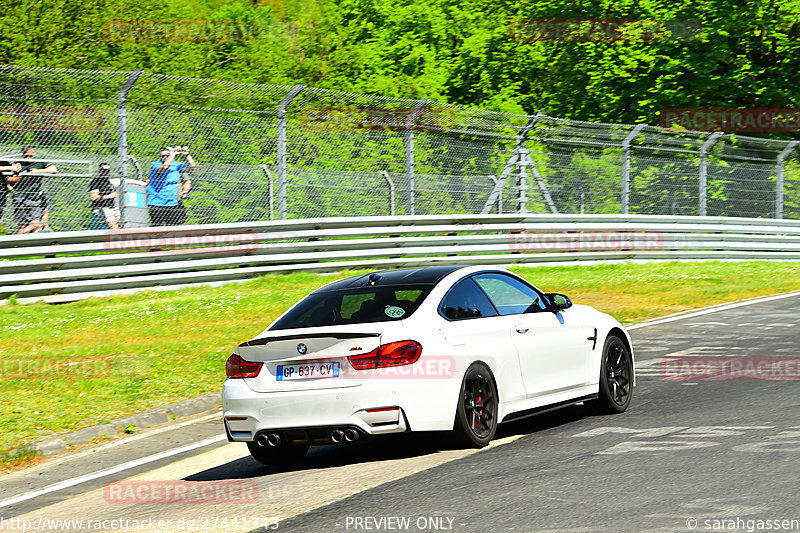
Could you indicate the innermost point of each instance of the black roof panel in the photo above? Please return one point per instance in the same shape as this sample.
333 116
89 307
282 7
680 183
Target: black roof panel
414 276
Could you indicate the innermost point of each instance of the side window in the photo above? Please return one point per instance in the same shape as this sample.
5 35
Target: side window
509 295
466 300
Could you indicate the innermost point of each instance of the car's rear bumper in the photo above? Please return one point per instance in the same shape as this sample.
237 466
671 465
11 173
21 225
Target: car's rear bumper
369 407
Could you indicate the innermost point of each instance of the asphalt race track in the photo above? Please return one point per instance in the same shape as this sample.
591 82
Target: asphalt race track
692 454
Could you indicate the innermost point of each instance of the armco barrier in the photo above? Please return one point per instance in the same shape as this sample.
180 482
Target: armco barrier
73 265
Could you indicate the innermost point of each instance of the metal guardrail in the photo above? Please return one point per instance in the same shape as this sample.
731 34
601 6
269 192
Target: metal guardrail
72 265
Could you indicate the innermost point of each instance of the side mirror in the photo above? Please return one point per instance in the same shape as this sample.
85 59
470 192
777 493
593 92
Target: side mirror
559 301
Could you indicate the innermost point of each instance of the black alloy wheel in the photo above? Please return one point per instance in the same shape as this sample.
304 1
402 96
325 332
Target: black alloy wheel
616 377
476 417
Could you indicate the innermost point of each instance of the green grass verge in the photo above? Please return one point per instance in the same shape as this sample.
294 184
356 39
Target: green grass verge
69 366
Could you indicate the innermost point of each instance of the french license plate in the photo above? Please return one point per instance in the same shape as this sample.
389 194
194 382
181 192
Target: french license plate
307 371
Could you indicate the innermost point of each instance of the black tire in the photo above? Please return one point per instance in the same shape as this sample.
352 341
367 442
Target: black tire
277 456
616 378
476 415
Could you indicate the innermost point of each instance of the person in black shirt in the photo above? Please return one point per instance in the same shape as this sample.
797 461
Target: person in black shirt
6 168
102 194
30 203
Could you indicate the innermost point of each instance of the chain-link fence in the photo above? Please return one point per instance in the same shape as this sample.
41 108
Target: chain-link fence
266 152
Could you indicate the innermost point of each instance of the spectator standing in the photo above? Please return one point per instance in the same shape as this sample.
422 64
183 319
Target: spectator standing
102 194
6 168
164 200
30 202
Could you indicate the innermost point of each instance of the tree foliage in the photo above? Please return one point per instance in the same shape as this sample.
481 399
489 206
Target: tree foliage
479 52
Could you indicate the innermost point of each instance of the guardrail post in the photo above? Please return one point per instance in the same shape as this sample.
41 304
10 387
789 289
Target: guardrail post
626 167
779 181
702 200
122 142
409 145
282 148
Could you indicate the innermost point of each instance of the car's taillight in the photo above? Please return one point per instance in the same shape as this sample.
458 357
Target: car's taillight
236 367
392 354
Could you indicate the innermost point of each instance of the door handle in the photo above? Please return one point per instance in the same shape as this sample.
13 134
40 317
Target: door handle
521 329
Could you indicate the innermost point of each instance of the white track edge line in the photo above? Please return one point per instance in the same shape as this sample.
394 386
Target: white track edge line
108 471
714 309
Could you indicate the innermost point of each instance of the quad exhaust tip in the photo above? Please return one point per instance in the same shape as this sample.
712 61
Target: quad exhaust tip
347 435
337 436
273 440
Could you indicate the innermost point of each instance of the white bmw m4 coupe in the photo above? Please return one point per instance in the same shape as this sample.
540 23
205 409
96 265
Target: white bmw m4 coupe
441 348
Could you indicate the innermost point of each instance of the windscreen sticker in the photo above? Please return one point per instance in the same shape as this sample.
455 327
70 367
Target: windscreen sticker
394 311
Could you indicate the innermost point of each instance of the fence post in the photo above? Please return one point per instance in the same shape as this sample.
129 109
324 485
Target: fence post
626 167
391 190
122 143
779 182
522 181
526 162
702 200
513 162
267 173
522 152
282 148
500 195
409 145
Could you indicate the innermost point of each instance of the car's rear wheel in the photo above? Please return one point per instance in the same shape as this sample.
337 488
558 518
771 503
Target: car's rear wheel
616 378
277 455
476 416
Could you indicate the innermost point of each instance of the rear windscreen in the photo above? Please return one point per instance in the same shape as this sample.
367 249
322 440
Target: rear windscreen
354 306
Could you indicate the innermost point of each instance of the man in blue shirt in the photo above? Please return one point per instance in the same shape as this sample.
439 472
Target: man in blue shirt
164 189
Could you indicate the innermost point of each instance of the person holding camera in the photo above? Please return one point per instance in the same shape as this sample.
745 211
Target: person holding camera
31 208
165 191
102 194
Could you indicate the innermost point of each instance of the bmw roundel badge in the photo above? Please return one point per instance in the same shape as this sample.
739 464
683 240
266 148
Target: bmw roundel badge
302 349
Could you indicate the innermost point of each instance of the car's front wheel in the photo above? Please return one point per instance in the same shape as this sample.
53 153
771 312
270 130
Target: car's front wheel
476 416
277 455
616 378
